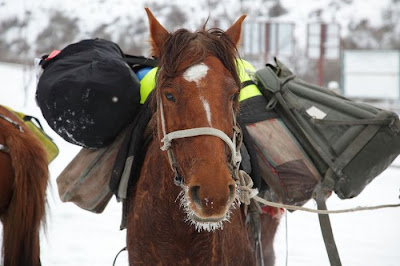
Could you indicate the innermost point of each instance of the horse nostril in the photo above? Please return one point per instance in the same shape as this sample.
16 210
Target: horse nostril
231 191
194 195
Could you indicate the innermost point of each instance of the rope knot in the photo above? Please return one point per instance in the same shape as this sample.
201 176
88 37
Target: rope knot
246 190
166 143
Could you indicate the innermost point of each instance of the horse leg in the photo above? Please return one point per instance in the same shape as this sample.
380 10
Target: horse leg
269 224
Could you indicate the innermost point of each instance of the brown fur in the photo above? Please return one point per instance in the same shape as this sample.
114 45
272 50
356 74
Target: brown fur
23 183
157 232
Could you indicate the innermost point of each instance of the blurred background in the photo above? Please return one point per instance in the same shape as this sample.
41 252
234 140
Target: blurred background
334 43
350 46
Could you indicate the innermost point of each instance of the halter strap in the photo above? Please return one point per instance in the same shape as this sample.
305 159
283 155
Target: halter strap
4 148
192 132
233 144
15 124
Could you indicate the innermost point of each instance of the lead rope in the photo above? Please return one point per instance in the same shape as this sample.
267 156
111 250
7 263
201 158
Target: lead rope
116 256
247 193
286 240
245 184
245 187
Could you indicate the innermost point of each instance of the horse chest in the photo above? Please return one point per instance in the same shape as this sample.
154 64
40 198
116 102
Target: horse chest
164 237
195 251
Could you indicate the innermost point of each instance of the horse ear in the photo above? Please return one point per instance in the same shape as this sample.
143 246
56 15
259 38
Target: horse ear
235 30
158 34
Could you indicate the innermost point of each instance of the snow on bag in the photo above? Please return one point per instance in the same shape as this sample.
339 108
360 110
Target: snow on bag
88 93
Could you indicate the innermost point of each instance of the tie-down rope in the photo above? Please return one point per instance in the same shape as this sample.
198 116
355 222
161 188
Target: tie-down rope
247 193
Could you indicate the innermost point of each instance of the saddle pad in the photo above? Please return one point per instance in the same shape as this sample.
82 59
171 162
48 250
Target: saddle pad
34 125
283 163
85 179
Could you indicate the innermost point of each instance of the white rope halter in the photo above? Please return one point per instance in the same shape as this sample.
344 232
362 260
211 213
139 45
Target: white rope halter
233 144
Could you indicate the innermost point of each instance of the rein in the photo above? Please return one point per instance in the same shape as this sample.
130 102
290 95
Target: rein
15 124
4 148
234 144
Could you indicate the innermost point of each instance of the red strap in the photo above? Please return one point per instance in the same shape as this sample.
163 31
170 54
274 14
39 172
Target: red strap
53 54
272 211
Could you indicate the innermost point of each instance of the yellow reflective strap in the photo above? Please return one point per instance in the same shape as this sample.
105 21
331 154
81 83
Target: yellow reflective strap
244 68
147 84
248 92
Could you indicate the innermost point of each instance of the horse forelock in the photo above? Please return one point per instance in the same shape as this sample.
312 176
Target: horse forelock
184 49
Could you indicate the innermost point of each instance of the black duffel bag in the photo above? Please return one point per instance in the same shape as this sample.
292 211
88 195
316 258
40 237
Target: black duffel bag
88 93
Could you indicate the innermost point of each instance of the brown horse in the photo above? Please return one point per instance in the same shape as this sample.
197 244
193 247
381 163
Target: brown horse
191 214
23 183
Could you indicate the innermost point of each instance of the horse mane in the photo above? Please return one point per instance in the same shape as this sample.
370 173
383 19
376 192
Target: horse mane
186 49
27 210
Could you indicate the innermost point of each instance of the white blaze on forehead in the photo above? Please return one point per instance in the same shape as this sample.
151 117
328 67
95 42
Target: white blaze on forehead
207 109
196 73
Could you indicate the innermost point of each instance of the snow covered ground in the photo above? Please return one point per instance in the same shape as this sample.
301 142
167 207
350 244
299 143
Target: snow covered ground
76 237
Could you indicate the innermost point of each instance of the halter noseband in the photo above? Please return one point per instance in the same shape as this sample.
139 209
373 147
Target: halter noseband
234 143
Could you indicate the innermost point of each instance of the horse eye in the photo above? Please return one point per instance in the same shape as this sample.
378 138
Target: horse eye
170 97
234 96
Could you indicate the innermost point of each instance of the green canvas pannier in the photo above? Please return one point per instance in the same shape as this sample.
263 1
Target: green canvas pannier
36 127
350 143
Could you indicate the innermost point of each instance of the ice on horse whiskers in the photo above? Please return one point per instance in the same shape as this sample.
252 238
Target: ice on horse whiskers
205 226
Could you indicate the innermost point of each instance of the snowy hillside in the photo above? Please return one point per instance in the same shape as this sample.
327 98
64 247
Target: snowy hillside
31 28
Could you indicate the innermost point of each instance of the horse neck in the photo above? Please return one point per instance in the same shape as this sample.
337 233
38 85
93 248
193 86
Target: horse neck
155 188
156 220
26 210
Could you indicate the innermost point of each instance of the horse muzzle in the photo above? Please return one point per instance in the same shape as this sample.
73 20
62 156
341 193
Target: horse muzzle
211 202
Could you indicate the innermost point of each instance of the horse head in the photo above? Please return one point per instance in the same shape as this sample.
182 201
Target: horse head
196 94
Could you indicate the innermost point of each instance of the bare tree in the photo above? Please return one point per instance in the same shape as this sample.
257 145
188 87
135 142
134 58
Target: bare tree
61 31
277 10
